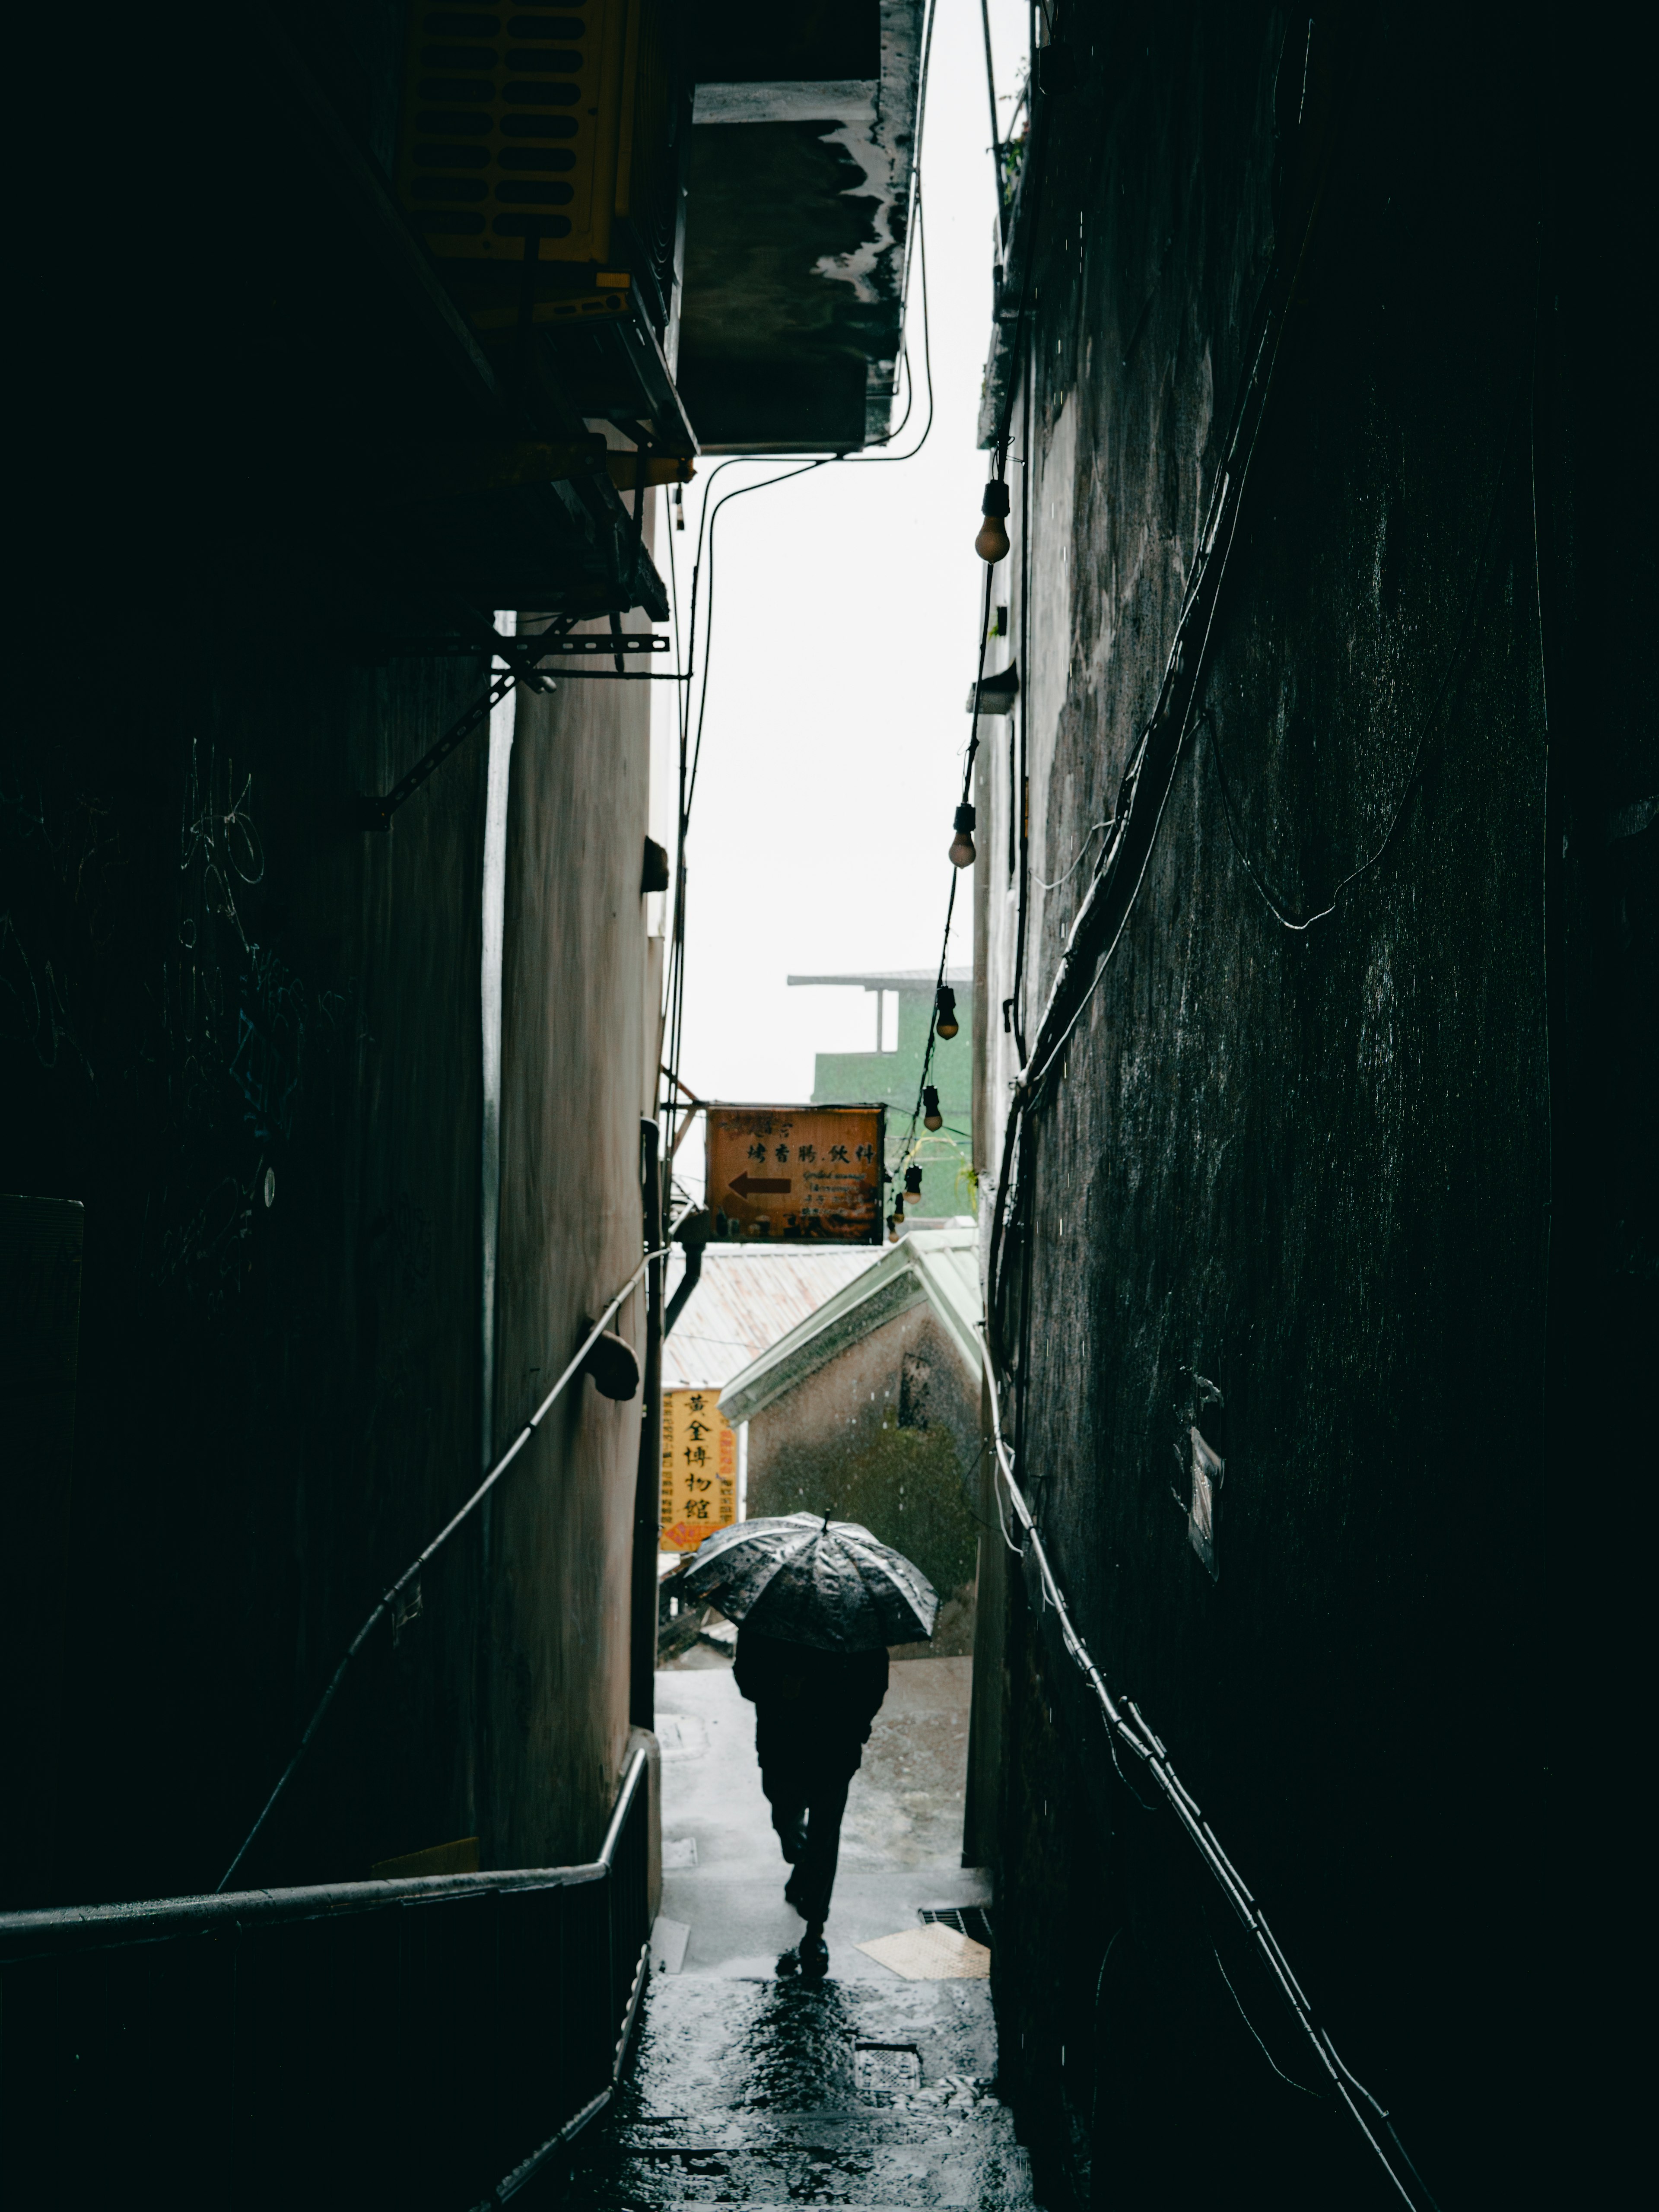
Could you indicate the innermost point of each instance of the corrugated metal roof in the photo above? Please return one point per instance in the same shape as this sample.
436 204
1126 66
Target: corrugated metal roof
745 1302
940 1265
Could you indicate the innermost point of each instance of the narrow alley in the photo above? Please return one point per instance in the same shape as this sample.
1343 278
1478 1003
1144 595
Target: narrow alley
828 1164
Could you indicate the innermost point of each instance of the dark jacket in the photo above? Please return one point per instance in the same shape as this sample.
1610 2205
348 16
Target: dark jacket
811 1708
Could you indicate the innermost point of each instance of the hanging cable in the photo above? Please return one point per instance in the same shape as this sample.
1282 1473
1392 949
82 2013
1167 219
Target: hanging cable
1060 881
395 1589
1129 1727
1280 908
690 737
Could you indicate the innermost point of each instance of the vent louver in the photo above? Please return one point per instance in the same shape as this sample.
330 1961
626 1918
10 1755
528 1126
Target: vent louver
511 128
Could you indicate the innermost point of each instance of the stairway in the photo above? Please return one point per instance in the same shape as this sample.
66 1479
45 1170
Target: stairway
784 2094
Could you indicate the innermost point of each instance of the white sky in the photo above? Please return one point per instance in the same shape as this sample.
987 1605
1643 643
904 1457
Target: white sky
845 636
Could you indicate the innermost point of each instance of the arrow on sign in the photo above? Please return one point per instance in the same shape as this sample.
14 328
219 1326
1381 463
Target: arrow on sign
748 1186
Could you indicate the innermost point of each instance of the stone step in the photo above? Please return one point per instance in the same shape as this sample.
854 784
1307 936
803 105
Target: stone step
962 2181
762 2093
910 2120
757 2045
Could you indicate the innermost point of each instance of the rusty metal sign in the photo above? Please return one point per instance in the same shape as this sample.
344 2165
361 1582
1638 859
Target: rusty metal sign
796 1175
699 1468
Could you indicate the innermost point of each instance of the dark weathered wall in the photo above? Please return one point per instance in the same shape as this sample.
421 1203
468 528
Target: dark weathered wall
246 1037
1312 1164
886 1434
211 983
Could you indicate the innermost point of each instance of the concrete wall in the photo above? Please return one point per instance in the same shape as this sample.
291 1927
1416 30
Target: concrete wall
1314 1166
580 1053
887 1434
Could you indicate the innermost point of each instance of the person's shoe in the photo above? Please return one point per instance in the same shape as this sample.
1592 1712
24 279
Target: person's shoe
814 1955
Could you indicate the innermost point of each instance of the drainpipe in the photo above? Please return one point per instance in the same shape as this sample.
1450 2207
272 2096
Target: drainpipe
647 1484
493 918
693 1235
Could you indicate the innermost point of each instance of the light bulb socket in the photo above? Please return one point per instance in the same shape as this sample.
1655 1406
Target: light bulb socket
995 501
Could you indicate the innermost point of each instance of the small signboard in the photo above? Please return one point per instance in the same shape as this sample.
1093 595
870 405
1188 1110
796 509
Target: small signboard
699 1469
796 1175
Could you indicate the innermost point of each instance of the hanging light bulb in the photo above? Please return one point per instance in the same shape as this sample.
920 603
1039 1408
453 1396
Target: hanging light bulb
892 1228
912 1183
932 1118
992 544
962 851
944 1010
898 1207
679 508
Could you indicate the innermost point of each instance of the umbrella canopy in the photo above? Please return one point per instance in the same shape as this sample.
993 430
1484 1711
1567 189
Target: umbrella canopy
807 1580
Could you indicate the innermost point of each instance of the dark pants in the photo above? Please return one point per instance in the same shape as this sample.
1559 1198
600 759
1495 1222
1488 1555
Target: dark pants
807 1804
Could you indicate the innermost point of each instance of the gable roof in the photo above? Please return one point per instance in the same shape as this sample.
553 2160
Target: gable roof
746 1299
940 1265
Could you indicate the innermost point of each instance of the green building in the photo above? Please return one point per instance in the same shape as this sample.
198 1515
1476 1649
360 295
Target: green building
892 1071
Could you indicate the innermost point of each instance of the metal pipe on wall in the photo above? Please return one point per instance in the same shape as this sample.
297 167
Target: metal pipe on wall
647 1490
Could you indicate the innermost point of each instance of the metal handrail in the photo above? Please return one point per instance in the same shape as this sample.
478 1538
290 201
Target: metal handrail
30 1934
637 1767
184 2029
97 1927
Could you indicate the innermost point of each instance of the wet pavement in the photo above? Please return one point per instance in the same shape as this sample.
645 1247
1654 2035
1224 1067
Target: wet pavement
901 1841
747 2086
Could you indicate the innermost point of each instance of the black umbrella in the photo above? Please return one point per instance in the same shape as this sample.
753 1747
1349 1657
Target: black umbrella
811 1580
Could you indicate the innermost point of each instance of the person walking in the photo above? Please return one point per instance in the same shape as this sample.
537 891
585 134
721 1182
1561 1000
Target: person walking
813 1710
818 1602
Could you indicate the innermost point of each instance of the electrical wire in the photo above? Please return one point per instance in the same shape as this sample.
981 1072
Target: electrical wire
690 745
1278 907
1060 881
1251 2024
395 1589
1130 1729
956 873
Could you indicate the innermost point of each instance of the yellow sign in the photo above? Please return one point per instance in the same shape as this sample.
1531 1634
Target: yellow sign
699 1468
796 1175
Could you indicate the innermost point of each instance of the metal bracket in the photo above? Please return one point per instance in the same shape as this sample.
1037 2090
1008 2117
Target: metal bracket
624 641
372 813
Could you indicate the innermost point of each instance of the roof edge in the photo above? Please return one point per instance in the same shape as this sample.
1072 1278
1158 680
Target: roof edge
899 1280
